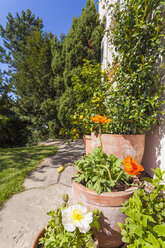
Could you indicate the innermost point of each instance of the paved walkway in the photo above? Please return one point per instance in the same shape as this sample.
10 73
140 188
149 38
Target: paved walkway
24 215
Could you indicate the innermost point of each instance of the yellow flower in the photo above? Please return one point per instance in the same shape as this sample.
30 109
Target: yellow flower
74 130
81 117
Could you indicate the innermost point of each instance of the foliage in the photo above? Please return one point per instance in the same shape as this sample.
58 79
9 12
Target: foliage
57 236
135 96
145 224
82 42
100 172
13 131
26 51
40 68
90 90
16 164
33 80
15 33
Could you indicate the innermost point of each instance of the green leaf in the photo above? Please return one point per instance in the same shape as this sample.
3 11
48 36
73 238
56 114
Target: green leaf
160 230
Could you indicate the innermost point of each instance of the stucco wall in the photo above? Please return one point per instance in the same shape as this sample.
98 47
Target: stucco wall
154 155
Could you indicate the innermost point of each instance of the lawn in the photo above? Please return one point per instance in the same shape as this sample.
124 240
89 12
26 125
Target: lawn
15 165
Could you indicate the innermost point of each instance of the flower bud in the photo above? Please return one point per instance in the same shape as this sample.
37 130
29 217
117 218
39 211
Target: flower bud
60 169
63 205
57 211
65 197
57 220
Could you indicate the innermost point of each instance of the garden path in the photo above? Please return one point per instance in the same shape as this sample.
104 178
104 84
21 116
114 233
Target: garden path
24 215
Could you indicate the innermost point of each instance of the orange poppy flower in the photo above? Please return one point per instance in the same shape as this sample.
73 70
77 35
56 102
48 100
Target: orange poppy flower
131 166
100 119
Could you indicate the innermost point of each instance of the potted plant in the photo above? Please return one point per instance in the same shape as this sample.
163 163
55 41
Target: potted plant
69 226
145 222
133 90
105 182
92 88
90 96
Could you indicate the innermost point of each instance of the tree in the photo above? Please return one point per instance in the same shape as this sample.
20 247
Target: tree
16 31
82 42
27 50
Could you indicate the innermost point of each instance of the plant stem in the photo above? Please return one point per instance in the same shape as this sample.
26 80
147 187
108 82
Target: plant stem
109 174
118 176
100 136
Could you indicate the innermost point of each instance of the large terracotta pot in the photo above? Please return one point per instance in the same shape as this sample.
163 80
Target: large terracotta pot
109 204
88 144
121 145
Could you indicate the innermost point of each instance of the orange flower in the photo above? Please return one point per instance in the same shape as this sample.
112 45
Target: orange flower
100 119
131 166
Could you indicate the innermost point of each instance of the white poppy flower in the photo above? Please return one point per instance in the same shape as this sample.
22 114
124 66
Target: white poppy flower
76 216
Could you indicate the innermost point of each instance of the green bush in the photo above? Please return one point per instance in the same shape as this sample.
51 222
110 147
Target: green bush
135 95
145 224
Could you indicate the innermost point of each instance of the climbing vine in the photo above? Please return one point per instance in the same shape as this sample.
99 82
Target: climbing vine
137 35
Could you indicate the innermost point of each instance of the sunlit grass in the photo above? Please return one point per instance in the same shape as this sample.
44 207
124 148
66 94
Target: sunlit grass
15 165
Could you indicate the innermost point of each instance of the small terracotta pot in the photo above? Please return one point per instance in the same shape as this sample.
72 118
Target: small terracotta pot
40 235
121 145
109 203
88 144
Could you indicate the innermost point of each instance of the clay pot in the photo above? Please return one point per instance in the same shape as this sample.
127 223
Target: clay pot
109 203
36 242
121 145
88 144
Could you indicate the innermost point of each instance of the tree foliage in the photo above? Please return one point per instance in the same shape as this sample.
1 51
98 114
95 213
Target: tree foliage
82 42
41 66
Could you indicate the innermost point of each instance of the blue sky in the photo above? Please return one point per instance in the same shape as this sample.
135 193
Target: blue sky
56 14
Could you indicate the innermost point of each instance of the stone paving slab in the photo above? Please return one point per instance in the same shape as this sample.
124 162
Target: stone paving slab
24 215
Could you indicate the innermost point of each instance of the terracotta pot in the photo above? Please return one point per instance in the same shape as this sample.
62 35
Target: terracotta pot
36 242
121 145
109 204
88 144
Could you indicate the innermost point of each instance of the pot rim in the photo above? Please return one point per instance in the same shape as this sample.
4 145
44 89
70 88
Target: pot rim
113 194
39 235
112 199
118 135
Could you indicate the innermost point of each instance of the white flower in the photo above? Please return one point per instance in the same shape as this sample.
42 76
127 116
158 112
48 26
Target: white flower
76 216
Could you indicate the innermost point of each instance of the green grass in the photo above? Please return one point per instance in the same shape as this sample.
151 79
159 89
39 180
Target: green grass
16 164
